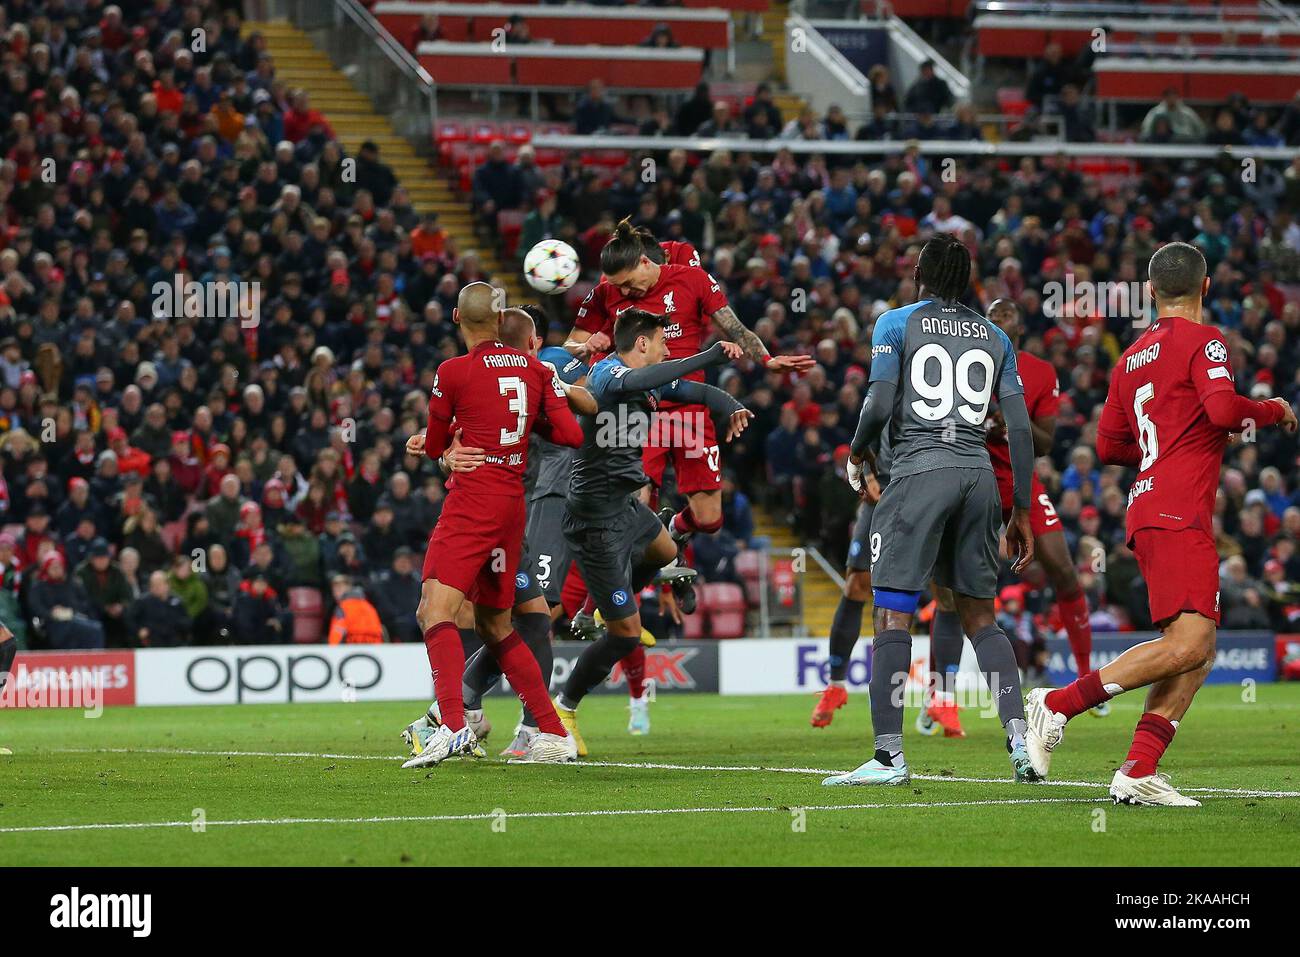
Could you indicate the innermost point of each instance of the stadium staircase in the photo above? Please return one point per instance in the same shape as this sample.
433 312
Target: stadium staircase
820 592
773 34
299 63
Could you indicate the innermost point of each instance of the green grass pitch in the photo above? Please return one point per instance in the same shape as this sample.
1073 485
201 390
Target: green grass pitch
321 785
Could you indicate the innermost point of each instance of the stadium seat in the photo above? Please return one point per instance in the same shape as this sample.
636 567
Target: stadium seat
725 603
750 569
693 625
308 610
510 224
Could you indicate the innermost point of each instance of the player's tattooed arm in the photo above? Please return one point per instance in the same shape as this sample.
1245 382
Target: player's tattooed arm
746 338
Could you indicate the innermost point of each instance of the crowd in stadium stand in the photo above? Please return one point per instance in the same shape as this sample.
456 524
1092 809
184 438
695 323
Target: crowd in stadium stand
135 436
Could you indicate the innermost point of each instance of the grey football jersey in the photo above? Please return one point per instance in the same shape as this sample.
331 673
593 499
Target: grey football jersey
554 469
947 362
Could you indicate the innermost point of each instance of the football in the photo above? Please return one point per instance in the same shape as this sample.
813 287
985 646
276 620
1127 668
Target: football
551 267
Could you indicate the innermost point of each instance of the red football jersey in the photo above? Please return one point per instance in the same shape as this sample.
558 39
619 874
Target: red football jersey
497 397
1042 397
1157 396
686 294
679 254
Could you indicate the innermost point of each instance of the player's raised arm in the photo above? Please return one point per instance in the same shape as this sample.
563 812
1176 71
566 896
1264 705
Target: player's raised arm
662 373
586 338
727 320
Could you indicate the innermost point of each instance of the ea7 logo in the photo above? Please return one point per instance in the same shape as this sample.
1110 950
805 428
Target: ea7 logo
77 910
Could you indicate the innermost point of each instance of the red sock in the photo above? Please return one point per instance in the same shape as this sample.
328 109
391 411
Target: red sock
589 606
573 591
519 665
634 668
1078 696
447 662
1150 739
685 521
1078 629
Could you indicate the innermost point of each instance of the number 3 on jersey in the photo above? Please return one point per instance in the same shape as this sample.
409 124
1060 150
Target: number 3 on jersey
515 387
937 399
1147 439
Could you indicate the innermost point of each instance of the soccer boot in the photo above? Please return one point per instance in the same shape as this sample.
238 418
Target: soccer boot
518 747
873 772
682 581
1100 710
443 744
586 627
638 719
1154 790
549 749
681 538
830 701
421 729
1046 728
477 720
942 712
570 721
1022 769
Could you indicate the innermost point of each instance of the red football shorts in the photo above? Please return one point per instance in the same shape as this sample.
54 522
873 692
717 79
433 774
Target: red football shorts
475 546
686 434
1042 513
1181 569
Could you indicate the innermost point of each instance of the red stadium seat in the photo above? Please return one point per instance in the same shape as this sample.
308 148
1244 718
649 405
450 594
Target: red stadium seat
510 224
518 133
725 604
308 610
693 625
749 568
484 133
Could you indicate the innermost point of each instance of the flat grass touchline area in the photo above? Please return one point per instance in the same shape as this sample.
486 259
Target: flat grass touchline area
648 766
721 781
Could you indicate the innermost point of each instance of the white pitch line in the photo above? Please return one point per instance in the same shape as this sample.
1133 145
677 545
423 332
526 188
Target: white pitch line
652 766
622 812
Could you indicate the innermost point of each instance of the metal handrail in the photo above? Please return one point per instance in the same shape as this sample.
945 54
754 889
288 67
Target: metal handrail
397 54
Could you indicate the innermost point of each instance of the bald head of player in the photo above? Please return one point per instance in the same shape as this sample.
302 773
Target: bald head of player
518 331
477 312
1178 281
